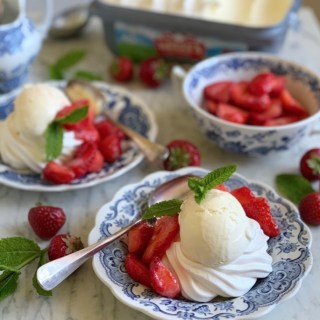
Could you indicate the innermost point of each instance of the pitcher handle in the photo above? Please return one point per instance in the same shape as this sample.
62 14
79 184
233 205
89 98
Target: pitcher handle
178 74
43 27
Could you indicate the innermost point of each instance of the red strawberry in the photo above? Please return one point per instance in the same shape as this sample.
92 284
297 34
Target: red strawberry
275 110
266 83
106 127
281 121
83 159
137 270
97 162
153 71
46 220
211 106
110 147
162 280
310 164
259 210
57 173
87 134
182 154
62 245
291 105
243 195
139 236
231 113
309 208
165 231
219 91
121 69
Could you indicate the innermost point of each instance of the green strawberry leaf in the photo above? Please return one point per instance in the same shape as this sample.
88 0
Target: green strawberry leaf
86 75
42 292
54 139
8 283
200 186
16 252
73 117
163 208
293 187
314 164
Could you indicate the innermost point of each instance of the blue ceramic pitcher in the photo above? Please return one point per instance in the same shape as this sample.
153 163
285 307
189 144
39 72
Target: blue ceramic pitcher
20 42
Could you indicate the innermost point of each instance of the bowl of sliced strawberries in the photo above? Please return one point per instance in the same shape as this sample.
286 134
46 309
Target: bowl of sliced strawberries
253 103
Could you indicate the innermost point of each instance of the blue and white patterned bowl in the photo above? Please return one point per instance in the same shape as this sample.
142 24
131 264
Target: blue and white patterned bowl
246 139
121 106
290 252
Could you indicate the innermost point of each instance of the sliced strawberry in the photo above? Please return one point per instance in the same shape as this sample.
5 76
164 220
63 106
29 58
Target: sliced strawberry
137 270
110 148
106 127
162 280
259 210
222 187
211 106
57 173
275 110
243 194
87 133
281 121
139 236
241 96
267 83
165 231
97 162
232 113
83 159
219 91
291 105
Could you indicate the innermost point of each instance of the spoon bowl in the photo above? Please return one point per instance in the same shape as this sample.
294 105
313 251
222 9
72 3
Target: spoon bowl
53 273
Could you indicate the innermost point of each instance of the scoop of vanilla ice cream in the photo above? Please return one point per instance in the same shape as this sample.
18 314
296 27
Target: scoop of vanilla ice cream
22 143
216 231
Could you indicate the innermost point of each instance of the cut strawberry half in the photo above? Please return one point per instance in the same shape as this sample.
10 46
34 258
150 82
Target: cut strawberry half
87 133
110 148
57 173
162 280
275 110
219 91
97 162
266 83
211 106
291 105
232 113
280 121
243 194
259 210
165 231
137 270
139 236
106 127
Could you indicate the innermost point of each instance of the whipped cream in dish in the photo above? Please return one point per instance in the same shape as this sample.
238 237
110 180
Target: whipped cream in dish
221 252
22 143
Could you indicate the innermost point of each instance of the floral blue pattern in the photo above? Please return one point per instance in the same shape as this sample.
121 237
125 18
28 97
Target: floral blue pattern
237 138
121 105
290 251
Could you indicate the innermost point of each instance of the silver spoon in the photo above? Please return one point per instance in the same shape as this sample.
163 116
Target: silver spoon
80 89
69 23
53 273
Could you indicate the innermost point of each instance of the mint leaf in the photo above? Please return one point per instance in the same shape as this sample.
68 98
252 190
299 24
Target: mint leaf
73 117
8 283
86 75
54 139
293 187
200 186
43 259
16 252
163 208
55 73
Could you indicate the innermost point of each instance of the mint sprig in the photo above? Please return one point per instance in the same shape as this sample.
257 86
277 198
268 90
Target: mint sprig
200 186
163 208
16 253
54 132
293 186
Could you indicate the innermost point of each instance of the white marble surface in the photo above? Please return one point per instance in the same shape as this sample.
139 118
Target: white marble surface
83 296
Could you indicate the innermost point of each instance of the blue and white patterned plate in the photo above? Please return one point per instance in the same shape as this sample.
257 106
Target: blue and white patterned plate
121 106
290 251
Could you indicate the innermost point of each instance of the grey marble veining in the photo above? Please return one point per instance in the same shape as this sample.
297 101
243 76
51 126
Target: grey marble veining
83 296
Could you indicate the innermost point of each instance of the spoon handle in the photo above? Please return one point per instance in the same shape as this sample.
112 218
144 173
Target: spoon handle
53 273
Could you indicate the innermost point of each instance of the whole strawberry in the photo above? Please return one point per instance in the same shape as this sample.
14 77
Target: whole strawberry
153 71
310 164
62 245
46 220
309 208
121 69
182 153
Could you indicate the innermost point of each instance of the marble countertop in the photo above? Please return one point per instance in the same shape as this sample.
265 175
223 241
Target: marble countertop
83 296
